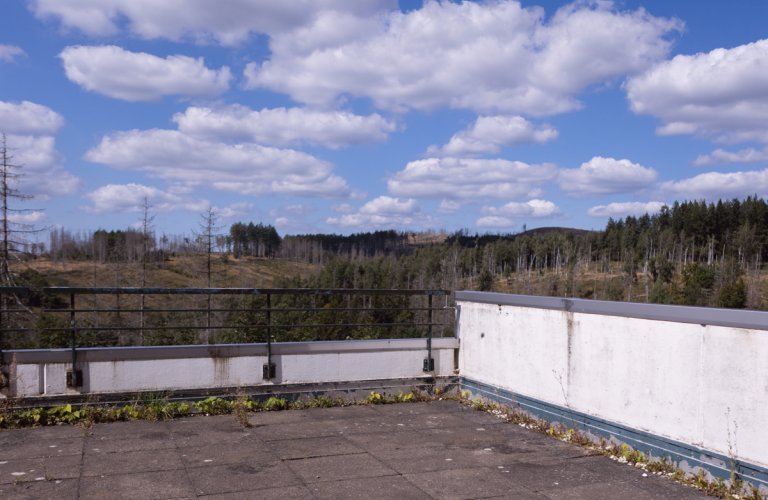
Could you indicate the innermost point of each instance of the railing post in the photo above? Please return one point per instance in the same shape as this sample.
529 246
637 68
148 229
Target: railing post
75 376
3 321
429 362
268 370
3 306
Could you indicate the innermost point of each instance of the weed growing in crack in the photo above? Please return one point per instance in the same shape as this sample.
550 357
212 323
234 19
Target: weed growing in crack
240 407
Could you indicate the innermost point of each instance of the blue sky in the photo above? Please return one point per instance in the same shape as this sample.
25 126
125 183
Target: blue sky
337 116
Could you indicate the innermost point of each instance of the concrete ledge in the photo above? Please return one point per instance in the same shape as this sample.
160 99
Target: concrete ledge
37 373
221 350
737 318
686 456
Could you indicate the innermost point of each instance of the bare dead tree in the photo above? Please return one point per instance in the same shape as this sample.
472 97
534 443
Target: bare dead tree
11 219
146 238
207 237
13 229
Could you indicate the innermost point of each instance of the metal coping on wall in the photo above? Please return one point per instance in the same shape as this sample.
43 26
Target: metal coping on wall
736 318
684 455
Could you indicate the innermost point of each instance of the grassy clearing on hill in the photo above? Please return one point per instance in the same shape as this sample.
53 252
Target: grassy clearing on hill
178 272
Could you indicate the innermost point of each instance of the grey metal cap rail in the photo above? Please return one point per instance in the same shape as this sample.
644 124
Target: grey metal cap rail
738 318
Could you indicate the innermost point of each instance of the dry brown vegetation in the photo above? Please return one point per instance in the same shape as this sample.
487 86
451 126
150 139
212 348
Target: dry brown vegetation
186 271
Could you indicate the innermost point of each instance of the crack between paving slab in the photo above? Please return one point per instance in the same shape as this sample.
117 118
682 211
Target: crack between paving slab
183 462
324 455
400 474
82 463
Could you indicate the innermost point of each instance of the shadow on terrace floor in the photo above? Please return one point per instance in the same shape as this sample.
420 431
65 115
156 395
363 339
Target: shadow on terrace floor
414 450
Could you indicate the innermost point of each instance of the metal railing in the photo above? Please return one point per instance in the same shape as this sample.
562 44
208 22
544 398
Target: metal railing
77 317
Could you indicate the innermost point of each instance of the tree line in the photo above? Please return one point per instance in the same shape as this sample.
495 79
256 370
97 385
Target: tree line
690 252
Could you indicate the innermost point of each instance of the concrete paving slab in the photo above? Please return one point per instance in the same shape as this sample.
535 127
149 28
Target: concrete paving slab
602 491
371 488
241 477
395 440
563 474
280 417
341 412
642 480
440 451
145 442
413 460
291 449
298 430
145 485
40 469
364 425
57 489
249 452
470 483
42 448
199 437
132 429
279 493
104 464
418 421
39 433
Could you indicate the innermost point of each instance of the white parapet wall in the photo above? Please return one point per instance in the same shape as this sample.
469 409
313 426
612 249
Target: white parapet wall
43 373
692 376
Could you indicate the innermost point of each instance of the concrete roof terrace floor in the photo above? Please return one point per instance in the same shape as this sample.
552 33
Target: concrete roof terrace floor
439 449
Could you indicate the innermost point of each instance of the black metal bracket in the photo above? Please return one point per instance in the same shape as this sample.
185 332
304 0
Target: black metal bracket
77 380
269 371
429 364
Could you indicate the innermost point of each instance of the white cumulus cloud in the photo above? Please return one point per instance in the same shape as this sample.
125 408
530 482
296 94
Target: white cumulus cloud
720 156
532 208
623 209
511 213
490 133
494 57
243 168
722 94
29 118
30 130
130 198
719 185
606 176
10 52
227 23
32 217
469 178
138 76
284 126
384 212
494 221
239 209
448 206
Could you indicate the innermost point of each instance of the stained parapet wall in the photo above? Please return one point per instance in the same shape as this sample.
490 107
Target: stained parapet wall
43 373
670 375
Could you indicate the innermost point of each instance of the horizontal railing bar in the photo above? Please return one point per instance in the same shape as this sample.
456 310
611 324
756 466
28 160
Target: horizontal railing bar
242 327
259 309
238 291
